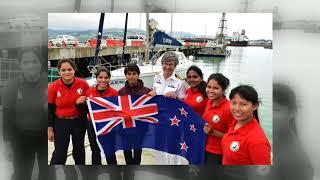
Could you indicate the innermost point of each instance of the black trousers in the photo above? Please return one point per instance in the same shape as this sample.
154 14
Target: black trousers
134 158
96 155
25 146
213 159
62 130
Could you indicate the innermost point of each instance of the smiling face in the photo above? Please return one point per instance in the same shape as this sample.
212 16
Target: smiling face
242 109
66 72
132 77
193 79
103 80
30 65
168 66
214 90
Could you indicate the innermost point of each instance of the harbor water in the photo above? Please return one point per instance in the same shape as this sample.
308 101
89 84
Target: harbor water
246 65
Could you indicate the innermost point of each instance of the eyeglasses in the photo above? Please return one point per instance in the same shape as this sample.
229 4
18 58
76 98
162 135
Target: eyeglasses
168 64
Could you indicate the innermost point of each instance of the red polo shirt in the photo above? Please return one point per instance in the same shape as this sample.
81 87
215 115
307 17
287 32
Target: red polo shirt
220 118
65 98
93 92
247 145
196 101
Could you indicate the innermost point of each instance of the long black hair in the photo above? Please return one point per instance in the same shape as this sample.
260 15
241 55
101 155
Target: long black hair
203 84
248 93
284 95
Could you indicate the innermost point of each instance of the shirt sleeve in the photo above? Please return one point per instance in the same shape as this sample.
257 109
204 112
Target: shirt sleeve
51 114
260 153
51 94
154 82
116 93
181 90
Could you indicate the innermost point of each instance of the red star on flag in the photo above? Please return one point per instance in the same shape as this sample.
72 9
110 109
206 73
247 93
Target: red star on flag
175 121
184 146
192 128
183 112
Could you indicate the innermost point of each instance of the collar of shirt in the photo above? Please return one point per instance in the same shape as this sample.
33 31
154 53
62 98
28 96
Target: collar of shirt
244 129
60 82
172 77
105 91
223 101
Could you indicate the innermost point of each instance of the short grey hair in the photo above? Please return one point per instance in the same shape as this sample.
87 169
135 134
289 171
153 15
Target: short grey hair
170 54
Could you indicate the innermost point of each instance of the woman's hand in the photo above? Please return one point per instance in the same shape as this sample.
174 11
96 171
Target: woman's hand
152 93
171 94
50 134
81 100
207 128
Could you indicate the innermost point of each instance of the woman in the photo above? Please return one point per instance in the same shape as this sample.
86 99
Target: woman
102 89
196 96
218 117
166 83
65 119
24 117
133 86
245 143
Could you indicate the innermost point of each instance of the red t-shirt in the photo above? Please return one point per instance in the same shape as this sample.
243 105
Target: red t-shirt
65 98
247 145
196 101
219 118
93 92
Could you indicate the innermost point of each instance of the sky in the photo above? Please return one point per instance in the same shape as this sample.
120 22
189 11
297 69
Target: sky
257 25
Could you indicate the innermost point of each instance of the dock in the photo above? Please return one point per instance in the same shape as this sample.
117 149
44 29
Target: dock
87 52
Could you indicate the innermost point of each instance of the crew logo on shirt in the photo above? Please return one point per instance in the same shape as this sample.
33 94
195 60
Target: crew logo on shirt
234 146
79 91
215 118
58 94
199 99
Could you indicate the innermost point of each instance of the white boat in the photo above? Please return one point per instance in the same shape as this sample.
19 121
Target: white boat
147 72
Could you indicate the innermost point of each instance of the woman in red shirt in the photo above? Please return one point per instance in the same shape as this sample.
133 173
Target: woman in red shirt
217 115
196 96
102 89
65 119
245 143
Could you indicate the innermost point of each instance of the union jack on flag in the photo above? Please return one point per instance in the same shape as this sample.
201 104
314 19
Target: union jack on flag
160 123
121 110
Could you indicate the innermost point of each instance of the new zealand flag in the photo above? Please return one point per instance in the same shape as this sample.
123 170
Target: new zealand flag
160 123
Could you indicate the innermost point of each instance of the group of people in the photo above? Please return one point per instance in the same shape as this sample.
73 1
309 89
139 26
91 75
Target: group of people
234 136
24 103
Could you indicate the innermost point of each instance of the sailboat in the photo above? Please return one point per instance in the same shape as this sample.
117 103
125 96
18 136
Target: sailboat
151 66
218 47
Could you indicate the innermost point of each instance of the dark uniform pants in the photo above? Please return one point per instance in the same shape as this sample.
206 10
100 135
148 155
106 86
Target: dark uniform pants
62 130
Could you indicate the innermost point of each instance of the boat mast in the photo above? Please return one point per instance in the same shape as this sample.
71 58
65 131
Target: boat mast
147 38
94 62
77 6
124 62
222 29
112 6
